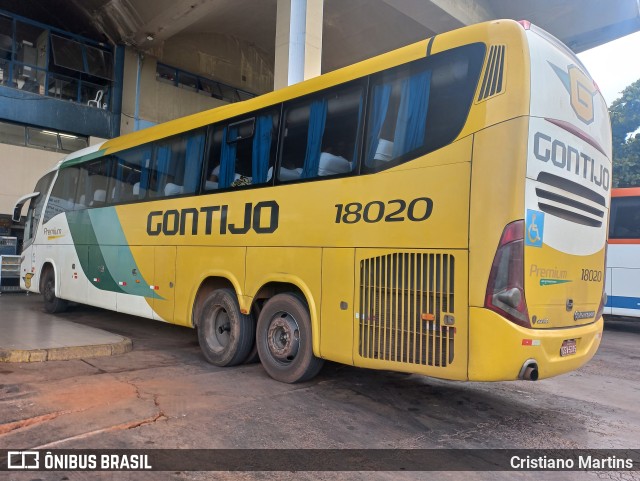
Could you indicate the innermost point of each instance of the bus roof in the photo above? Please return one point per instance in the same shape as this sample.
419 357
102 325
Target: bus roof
87 153
445 41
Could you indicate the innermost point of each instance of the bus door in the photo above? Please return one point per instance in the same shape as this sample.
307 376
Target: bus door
411 311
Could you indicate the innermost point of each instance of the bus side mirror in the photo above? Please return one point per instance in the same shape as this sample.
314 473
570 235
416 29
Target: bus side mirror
17 210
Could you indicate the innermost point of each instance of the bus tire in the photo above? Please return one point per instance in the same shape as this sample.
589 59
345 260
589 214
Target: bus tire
52 303
284 340
253 356
225 335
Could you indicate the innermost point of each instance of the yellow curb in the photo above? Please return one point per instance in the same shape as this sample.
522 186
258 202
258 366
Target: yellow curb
65 353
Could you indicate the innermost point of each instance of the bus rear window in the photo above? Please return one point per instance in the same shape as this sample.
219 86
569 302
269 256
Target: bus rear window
421 106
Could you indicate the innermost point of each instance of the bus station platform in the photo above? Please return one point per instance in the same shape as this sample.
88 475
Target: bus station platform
29 334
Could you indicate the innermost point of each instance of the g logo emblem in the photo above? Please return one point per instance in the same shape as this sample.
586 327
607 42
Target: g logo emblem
582 92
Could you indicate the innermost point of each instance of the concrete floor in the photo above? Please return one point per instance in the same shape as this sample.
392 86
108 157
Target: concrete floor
32 335
164 395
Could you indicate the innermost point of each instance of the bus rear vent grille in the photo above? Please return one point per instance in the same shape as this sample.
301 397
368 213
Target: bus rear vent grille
404 300
568 200
493 79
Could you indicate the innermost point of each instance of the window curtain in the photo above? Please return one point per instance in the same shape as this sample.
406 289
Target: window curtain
145 176
412 113
317 120
163 158
261 148
380 101
355 147
64 190
193 163
116 192
227 159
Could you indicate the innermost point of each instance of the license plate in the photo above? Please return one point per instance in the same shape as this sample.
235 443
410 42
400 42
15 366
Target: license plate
568 347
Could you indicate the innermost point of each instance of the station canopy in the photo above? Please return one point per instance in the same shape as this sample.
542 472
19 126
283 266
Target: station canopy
352 30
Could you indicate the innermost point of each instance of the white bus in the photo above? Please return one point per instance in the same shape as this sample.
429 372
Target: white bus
623 254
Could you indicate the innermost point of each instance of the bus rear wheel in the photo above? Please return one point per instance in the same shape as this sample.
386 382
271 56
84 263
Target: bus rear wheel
225 335
253 357
284 342
52 303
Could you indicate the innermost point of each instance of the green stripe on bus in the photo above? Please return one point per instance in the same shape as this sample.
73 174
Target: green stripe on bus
104 255
117 254
83 158
89 252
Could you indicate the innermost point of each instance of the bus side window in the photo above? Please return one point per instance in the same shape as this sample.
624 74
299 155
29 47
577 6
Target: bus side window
177 164
212 170
63 193
194 154
242 152
235 162
93 183
397 115
625 218
416 108
320 135
130 175
34 211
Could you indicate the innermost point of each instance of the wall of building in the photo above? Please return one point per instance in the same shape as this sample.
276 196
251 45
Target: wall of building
219 57
159 101
223 58
21 168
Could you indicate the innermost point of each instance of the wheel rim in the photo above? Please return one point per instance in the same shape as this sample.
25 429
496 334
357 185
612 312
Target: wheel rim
218 331
283 337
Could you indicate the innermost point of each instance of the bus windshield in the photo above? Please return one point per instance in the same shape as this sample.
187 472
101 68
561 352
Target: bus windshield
36 206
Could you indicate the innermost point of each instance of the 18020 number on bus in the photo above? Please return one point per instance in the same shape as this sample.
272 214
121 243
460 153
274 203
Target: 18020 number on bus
395 210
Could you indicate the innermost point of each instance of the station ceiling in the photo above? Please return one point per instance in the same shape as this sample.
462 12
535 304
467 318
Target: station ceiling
353 29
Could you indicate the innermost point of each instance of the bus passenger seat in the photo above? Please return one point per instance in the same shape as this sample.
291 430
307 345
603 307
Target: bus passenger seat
331 164
384 152
99 196
288 174
173 189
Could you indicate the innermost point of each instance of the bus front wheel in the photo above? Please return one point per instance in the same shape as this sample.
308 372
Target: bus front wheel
225 335
284 340
52 303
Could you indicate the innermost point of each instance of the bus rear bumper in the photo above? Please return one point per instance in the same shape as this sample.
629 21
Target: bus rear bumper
498 348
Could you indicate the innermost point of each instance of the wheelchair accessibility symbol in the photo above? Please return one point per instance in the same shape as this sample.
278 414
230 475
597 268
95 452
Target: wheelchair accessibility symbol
534 228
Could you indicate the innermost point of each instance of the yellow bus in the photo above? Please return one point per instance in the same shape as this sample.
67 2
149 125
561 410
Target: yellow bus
440 209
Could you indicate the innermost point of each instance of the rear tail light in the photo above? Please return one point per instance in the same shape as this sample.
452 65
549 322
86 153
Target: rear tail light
505 290
525 23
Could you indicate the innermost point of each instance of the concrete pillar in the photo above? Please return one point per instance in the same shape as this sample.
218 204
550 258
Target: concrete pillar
298 41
